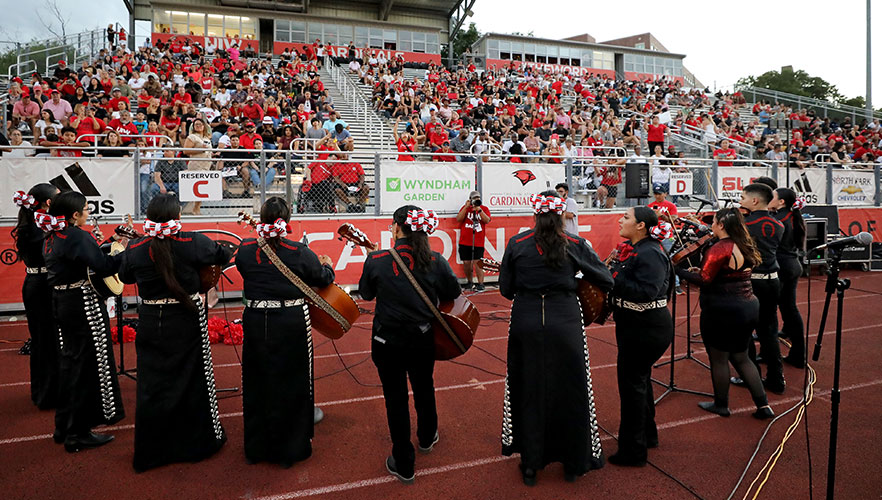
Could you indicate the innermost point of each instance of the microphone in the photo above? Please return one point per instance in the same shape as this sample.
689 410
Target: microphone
698 198
698 227
862 239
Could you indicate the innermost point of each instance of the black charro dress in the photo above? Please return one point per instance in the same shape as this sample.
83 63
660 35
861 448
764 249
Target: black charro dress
36 294
277 370
89 389
548 411
176 416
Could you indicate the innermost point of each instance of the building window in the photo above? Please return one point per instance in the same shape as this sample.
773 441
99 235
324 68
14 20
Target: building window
362 35
419 42
640 45
161 21
432 46
405 41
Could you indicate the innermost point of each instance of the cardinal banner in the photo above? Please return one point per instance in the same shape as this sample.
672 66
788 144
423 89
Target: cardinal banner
508 186
442 187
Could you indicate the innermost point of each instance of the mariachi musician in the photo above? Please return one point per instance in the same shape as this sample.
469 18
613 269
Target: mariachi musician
36 294
277 368
643 285
402 343
548 412
89 393
788 209
176 417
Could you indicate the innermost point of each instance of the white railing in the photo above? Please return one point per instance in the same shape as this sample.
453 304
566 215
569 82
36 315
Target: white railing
378 133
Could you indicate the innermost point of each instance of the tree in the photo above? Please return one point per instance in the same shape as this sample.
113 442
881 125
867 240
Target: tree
59 31
462 42
794 82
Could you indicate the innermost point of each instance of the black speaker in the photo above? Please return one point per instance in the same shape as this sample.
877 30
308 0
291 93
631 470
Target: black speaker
637 180
829 212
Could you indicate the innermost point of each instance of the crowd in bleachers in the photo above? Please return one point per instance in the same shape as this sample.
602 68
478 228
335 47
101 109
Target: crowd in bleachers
179 94
175 96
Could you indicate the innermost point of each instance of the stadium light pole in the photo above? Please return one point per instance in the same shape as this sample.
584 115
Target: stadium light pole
869 99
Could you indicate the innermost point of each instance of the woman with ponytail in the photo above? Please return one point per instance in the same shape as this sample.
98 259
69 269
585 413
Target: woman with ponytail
176 414
36 295
89 393
277 374
548 410
639 299
789 212
729 310
402 345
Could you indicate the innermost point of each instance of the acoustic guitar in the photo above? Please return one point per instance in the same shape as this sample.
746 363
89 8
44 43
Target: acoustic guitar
591 298
111 286
460 313
332 312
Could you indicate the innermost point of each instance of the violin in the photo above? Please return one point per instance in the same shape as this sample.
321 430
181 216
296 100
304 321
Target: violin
693 248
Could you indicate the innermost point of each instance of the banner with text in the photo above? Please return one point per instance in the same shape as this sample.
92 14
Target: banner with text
442 187
810 183
731 180
852 187
508 186
109 184
600 229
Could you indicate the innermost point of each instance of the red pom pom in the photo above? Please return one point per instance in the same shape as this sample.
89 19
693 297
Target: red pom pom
220 330
129 334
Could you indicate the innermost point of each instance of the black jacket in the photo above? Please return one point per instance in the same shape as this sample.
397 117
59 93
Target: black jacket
644 275
263 281
767 233
69 252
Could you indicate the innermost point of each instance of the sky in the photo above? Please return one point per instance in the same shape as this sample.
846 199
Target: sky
720 45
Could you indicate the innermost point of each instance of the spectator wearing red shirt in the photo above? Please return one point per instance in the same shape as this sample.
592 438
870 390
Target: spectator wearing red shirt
123 126
252 110
404 142
473 218
655 134
444 154
350 187
247 139
181 96
725 153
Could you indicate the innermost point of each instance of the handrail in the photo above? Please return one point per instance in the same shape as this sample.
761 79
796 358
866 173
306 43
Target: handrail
801 101
362 109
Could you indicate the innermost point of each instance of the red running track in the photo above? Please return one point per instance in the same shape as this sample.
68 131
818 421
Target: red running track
705 452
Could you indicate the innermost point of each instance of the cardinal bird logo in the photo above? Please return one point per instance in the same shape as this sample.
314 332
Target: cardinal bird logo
852 190
524 176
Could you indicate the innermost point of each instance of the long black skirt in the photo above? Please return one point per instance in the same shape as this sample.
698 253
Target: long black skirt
89 390
728 320
277 384
176 418
548 413
36 295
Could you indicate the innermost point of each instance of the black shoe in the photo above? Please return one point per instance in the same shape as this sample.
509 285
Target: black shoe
773 385
428 449
468 286
570 476
764 413
26 348
58 436
74 444
528 475
390 466
794 361
652 443
713 408
624 461
317 415
737 381
782 335
479 287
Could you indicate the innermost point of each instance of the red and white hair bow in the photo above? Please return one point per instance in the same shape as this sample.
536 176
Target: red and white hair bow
543 204
162 229
278 228
799 204
422 220
662 231
24 200
49 223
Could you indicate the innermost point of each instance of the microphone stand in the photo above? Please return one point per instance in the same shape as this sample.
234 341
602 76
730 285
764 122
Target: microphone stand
834 284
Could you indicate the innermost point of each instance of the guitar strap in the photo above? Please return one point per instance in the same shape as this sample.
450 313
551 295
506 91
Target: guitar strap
311 295
422 294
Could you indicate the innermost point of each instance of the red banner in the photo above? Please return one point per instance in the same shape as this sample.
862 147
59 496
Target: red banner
221 42
551 68
601 229
343 51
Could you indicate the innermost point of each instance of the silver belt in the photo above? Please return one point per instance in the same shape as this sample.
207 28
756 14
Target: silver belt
764 276
71 286
36 270
166 301
639 306
272 304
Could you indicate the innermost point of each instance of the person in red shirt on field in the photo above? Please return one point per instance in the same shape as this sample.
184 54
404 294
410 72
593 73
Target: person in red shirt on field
473 217
725 154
